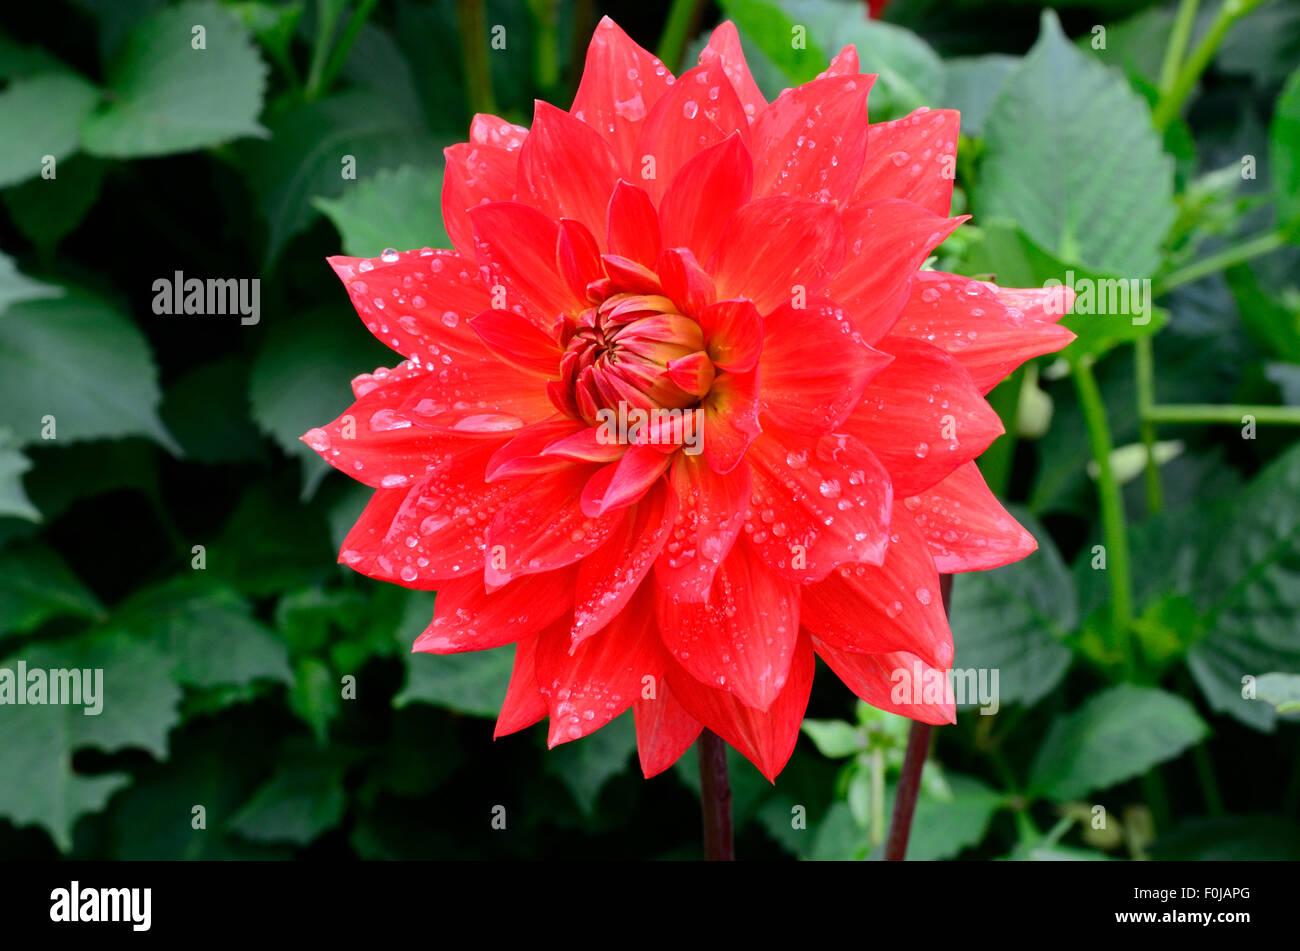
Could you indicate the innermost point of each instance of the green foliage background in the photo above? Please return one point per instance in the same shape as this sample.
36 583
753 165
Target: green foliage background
1121 687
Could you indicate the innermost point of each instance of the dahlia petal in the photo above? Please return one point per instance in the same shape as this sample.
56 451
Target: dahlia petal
897 605
712 509
579 257
845 63
525 453
629 276
881 678
587 444
888 241
556 147
621 82
724 48
469 618
774 249
474 174
542 527
419 305
1043 304
706 191
487 129
448 544
965 526
913 158
733 335
518 342
975 323
766 739
684 121
620 484
728 419
608 577
633 224
810 142
524 704
684 282
814 367
591 683
517 244
664 730
923 416
742 639
487 396
818 506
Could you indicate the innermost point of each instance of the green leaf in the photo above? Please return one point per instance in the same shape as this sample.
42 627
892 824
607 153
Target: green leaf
206 409
207 633
298 804
37 585
138 707
81 361
972 85
315 696
775 31
39 117
585 765
1072 156
1247 589
1281 690
1120 733
942 828
400 209
47 210
1231 839
16 286
310 150
165 96
299 377
13 497
834 738
473 683
1284 155
1014 620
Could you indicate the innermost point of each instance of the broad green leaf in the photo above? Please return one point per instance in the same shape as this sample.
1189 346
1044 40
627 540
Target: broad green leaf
298 804
1247 587
37 585
1072 157
39 117
1014 620
16 287
206 409
396 209
300 376
972 85
780 32
138 706
207 633
1281 690
942 828
272 542
82 362
13 497
585 765
315 145
315 696
1119 733
1284 153
834 738
46 210
472 683
166 96
17 60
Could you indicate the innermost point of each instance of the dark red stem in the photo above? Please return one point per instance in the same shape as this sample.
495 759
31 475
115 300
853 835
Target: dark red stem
715 798
909 781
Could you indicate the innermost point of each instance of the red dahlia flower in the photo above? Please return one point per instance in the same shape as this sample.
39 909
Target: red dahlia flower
741 279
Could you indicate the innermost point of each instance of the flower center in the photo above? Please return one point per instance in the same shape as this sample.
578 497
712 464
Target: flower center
635 351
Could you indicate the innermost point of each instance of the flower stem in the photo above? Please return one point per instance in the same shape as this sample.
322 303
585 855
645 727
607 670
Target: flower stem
1178 37
1114 528
1230 413
715 798
1236 254
327 21
909 780
1144 361
1171 100
471 16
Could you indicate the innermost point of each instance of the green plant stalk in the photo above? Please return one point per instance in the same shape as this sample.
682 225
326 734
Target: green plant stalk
548 44
472 19
1114 529
1144 361
995 461
1171 101
1230 413
1177 46
327 21
877 796
339 56
677 29
1236 254
1209 784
